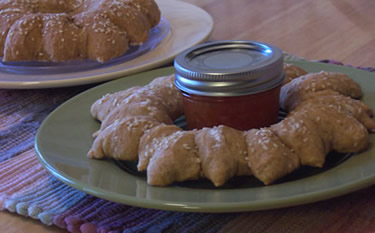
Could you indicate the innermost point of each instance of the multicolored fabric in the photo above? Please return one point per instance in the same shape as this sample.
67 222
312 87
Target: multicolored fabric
27 189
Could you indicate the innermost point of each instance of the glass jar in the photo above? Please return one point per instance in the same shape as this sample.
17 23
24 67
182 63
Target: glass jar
232 83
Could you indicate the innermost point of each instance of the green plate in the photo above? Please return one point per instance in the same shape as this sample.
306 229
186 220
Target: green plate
65 137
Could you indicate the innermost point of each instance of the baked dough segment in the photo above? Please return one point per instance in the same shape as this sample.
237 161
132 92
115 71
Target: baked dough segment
58 6
26 31
175 159
268 156
144 108
41 6
144 95
127 19
7 19
21 5
62 40
327 122
356 108
299 89
170 96
120 140
301 134
292 72
149 8
42 37
150 141
160 93
337 128
223 153
104 105
104 39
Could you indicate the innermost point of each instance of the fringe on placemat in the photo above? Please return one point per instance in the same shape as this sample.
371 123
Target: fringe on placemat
32 192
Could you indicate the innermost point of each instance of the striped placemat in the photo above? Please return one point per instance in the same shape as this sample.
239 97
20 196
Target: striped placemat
27 189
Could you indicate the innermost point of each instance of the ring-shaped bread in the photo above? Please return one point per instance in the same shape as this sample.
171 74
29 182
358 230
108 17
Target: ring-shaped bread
323 115
56 30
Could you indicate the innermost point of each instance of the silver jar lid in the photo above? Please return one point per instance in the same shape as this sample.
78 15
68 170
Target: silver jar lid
229 68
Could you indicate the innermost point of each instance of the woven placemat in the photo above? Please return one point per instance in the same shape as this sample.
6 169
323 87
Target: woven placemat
27 189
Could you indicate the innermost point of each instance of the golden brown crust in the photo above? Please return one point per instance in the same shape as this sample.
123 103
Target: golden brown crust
160 94
73 29
136 109
292 72
356 108
300 89
24 33
149 8
137 25
120 140
301 135
269 158
337 128
149 142
223 153
7 19
175 159
163 87
103 106
62 40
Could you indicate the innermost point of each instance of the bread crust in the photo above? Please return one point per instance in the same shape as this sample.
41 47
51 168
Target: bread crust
53 30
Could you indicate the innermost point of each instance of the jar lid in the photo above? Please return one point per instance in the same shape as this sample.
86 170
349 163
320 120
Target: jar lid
229 68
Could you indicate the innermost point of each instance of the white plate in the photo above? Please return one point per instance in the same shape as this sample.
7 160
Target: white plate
30 68
189 25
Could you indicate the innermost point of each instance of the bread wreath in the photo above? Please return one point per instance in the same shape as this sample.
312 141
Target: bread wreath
55 30
323 115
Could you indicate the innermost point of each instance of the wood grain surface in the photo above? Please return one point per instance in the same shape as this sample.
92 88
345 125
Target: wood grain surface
12 223
343 30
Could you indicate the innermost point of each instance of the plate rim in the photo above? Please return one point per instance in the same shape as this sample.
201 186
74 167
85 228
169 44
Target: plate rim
102 74
211 207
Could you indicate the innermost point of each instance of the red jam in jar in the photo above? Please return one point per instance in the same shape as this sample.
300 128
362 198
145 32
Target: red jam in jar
232 83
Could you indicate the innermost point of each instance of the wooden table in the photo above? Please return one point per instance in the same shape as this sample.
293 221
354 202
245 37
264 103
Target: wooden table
343 30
